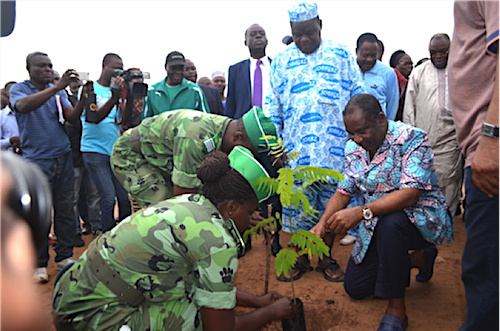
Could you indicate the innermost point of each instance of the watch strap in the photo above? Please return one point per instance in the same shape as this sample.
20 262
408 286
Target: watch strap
489 130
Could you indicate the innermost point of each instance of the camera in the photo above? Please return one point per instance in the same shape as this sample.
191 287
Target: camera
132 105
135 88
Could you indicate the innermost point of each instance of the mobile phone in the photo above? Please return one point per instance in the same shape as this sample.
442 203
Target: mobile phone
83 75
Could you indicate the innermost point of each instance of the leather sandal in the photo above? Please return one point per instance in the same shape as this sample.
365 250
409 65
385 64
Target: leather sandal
333 266
301 267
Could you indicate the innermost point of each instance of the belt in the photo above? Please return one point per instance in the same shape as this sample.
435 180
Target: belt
135 142
112 280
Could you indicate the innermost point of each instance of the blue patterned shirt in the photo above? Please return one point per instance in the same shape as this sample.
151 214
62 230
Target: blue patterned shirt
307 97
403 161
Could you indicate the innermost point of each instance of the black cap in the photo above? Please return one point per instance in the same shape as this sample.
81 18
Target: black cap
175 59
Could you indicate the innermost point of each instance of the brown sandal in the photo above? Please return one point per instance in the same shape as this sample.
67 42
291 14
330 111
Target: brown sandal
301 267
333 266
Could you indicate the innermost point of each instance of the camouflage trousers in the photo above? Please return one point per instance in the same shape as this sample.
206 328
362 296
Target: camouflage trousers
145 182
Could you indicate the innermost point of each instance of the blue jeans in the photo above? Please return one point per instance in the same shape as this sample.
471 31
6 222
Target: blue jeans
87 205
59 173
480 258
109 189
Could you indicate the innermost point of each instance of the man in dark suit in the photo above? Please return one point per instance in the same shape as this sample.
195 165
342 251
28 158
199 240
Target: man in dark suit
240 93
211 93
242 96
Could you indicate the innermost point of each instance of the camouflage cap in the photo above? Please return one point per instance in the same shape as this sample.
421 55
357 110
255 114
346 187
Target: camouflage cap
243 161
258 125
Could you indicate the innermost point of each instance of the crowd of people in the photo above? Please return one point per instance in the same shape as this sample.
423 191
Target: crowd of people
416 146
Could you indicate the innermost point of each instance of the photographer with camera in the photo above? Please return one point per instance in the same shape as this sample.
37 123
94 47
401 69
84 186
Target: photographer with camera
132 103
41 108
99 132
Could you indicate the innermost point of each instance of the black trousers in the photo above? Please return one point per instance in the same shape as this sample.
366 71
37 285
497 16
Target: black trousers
385 269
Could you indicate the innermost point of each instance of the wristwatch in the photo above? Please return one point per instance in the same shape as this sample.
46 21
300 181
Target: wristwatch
489 130
367 212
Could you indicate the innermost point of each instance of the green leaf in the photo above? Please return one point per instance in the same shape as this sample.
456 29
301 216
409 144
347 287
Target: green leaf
255 230
285 261
291 195
285 186
313 245
315 174
292 155
267 183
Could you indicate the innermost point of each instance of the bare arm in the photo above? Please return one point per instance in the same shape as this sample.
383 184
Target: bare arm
485 162
337 202
245 299
103 111
269 307
345 219
73 114
34 101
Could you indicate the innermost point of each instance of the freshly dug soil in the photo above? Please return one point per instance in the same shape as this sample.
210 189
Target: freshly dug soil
436 305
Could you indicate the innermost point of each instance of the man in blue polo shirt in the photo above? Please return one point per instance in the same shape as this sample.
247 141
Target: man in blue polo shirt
379 80
41 109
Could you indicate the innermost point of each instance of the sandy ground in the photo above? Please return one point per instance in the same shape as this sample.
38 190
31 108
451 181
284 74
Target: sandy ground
436 305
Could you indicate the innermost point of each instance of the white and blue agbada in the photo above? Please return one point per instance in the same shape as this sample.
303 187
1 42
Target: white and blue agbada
303 12
308 95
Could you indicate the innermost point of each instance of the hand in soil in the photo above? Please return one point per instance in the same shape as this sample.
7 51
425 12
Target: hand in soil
283 308
269 298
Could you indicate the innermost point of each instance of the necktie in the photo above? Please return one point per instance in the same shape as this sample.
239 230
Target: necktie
257 85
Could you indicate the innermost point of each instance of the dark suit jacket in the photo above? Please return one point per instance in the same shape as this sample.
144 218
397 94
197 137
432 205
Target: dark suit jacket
213 99
239 90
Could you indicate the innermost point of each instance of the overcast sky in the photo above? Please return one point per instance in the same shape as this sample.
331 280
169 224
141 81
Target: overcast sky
77 34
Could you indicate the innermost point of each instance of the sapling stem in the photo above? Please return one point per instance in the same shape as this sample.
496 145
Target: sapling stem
267 237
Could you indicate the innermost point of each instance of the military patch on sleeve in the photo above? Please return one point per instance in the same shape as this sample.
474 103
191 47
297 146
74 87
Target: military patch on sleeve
211 144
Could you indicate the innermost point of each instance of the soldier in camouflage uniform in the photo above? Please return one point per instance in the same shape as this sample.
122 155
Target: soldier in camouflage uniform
159 158
172 265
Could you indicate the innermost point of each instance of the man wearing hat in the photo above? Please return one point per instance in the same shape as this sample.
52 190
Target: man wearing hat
175 92
311 82
159 158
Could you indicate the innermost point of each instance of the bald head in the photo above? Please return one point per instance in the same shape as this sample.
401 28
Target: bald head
438 50
205 81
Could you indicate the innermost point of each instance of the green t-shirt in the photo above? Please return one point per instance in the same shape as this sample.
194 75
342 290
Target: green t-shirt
172 90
